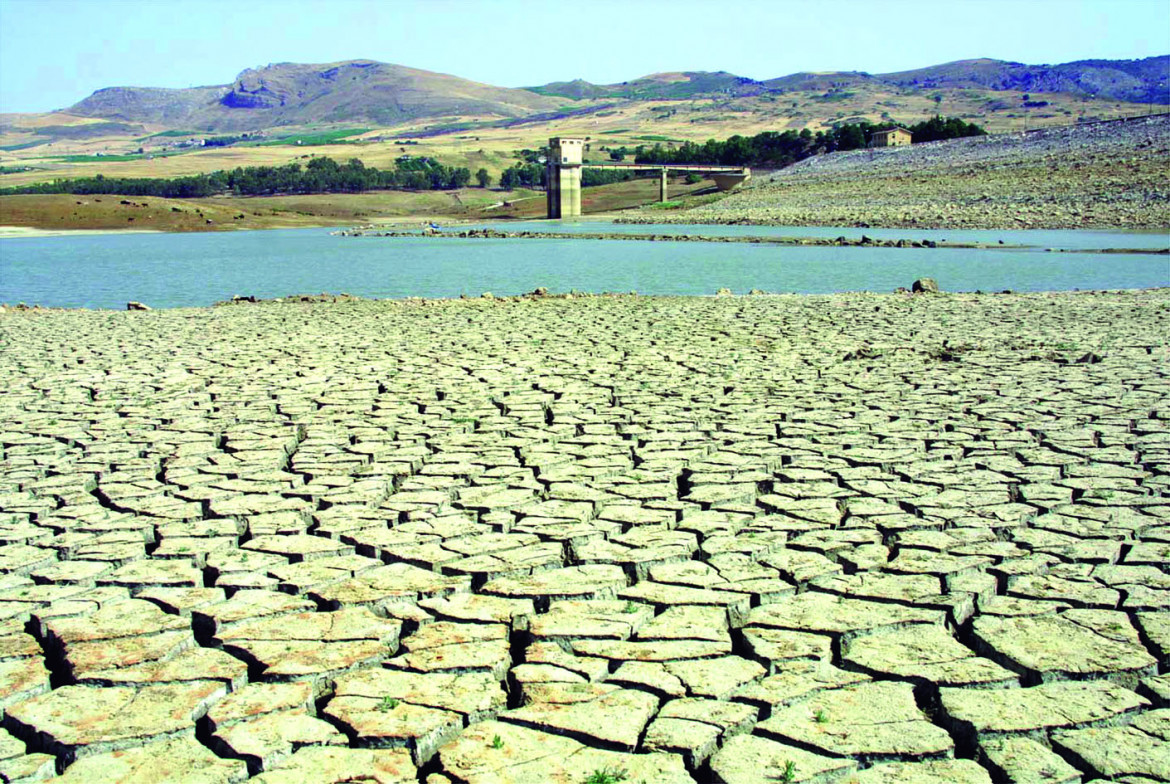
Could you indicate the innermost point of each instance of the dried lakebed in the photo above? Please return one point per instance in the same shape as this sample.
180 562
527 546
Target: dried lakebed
856 538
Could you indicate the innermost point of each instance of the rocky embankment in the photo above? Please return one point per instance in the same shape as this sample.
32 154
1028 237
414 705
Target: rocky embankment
493 234
863 241
850 538
1102 175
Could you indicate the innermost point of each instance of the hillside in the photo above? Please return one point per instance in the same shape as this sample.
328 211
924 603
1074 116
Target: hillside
657 87
1139 81
379 112
356 91
1098 175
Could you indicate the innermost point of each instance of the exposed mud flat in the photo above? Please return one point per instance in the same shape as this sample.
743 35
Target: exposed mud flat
855 537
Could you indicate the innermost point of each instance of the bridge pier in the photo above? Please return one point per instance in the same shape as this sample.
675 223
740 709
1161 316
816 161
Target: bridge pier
566 159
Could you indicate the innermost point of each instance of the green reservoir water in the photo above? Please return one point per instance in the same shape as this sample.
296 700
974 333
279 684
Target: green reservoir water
184 270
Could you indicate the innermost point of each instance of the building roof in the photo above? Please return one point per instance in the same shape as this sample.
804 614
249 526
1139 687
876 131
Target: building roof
896 128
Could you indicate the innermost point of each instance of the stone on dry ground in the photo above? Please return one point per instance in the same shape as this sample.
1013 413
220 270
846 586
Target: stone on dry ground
855 537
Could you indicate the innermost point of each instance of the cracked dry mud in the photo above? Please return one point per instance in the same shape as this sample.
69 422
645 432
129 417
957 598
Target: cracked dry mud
855 538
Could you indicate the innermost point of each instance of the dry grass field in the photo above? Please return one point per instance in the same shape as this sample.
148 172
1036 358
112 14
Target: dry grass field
68 212
65 212
477 146
480 142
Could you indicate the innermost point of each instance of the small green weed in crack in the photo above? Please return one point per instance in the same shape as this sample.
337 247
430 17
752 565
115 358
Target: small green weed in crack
789 774
606 775
387 704
820 717
497 742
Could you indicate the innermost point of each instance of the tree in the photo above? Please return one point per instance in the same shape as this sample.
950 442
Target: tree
850 137
483 178
459 178
736 151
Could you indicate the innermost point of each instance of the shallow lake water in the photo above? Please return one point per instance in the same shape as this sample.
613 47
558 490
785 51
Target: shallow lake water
181 270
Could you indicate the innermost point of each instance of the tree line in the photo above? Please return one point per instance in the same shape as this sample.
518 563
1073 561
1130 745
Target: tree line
319 175
770 148
325 175
774 149
535 175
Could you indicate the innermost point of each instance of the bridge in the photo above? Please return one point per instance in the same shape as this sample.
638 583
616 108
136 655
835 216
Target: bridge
566 160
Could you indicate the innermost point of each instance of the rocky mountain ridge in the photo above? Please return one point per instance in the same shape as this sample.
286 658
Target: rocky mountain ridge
1141 81
298 94
366 91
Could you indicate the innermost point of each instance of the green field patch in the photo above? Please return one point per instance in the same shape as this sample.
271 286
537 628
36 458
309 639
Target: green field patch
24 146
168 134
115 158
96 158
311 139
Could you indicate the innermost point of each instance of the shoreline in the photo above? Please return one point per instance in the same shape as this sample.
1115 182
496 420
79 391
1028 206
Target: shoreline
543 295
790 241
18 232
370 229
1018 223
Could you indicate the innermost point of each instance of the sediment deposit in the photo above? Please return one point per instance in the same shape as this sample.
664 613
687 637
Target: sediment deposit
1110 175
872 538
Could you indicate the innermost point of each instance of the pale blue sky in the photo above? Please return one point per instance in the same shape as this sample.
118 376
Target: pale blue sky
56 52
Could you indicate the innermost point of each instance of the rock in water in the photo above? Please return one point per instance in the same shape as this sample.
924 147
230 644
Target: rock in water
136 306
924 286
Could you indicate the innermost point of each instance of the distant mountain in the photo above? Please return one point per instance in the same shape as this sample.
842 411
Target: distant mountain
358 91
1141 81
822 80
578 89
173 108
657 87
371 93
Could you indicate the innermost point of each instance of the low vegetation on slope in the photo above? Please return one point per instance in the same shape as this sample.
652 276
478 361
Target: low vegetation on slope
320 175
1104 175
1143 81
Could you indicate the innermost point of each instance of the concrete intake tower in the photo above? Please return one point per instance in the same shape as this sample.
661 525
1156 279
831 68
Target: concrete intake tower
565 157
